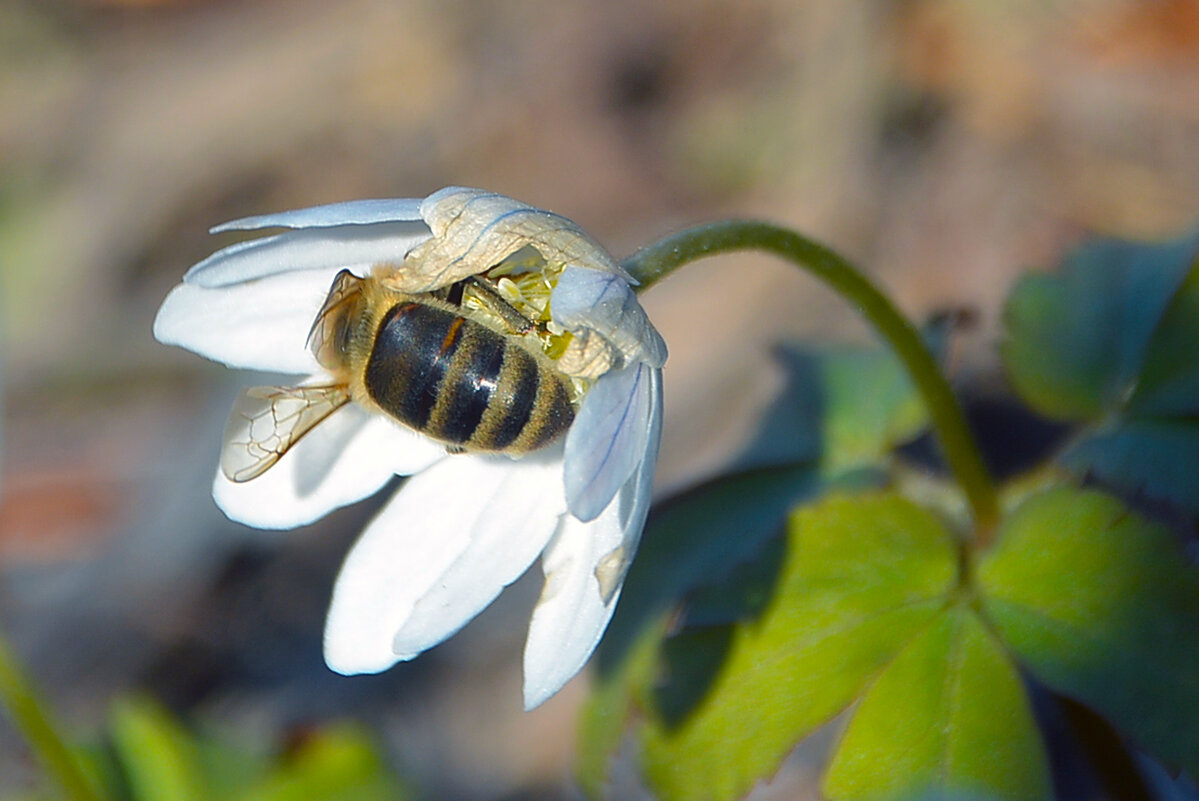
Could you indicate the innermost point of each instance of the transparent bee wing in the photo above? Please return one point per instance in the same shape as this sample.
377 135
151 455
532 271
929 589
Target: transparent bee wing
351 455
266 421
354 247
353 212
474 230
592 302
612 434
325 332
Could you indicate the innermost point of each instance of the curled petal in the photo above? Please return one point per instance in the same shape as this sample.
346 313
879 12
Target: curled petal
612 434
415 545
353 247
585 565
592 301
260 325
570 616
353 212
348 457
633 502
474 230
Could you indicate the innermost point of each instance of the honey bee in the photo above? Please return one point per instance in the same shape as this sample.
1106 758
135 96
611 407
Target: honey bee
457 341
419 358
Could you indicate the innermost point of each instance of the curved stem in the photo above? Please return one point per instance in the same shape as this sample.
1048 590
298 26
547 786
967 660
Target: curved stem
961 451
31 720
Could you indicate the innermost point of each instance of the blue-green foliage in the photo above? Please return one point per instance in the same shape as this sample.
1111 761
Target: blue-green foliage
1110 343
837 580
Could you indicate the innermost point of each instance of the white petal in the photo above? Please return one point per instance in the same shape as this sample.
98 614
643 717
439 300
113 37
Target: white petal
415 541
635 496
519 525
474 230
260 325
353 212
346 458
353 247
484 227
586 299
571 615
448 204
609 437
585 565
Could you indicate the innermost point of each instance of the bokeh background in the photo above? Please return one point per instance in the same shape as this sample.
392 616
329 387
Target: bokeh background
946 146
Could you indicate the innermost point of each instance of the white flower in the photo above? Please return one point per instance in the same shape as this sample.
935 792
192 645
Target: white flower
464 525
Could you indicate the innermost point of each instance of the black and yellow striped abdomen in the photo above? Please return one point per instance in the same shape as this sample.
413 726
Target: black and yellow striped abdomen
462 383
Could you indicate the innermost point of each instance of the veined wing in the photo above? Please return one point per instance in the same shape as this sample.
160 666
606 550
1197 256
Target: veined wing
267 421
327 337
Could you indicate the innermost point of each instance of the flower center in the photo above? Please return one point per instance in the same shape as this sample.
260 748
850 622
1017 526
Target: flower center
525 280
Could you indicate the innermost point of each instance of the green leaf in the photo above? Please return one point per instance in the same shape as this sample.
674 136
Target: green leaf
333 764
708 545
1101 606
159 756
870 406
854 405
692 541
1077 339
229 766
861 576
842 407
608 707
742 594
696 538
948 717
1156 458
1113 341
1168 384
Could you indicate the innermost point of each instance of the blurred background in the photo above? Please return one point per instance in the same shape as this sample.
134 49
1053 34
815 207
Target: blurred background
945 146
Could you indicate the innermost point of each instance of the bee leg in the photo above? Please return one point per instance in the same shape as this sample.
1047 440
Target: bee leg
453 450
453 294
517 322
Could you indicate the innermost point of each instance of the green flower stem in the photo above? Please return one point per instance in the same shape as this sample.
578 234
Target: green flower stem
961 451
20 700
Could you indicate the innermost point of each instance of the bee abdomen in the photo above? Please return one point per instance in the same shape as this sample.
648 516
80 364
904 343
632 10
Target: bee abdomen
462 383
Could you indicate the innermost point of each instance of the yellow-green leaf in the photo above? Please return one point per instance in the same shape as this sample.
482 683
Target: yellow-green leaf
1100 605
948 718
159 756
338 763
861 575
694 539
